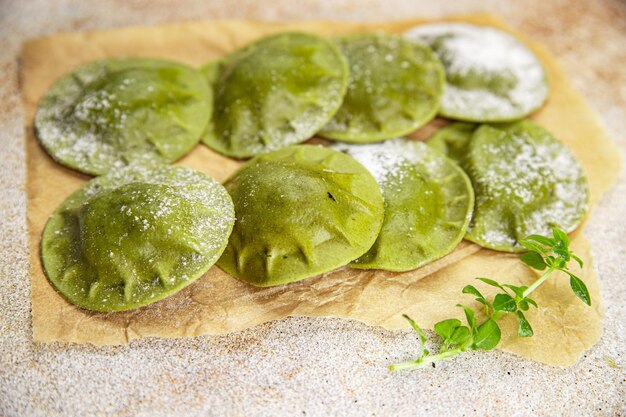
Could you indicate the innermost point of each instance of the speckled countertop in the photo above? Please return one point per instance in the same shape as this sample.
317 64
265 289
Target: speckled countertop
309 366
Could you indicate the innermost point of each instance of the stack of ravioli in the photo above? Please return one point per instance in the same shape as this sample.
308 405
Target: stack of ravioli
364 196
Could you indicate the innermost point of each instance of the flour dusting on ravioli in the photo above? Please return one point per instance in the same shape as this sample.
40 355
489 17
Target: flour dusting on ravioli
490 75
395 87
301 211
108 114
135 236
428 203
275 92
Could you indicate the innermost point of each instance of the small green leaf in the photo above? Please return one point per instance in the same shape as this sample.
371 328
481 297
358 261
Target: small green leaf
416 327
446 328
487 336
534 260
579 288
578 260
533 246
519 291
560 237
470 316
491 282
460 335
504 302
524 329
470 289
541 239
561 247
523 304
531 301
562 253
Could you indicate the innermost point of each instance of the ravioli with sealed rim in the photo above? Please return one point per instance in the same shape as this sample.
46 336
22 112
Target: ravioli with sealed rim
490 75
395 87
525 182
107 114
301 211
276 92
453 140
428 203
135 236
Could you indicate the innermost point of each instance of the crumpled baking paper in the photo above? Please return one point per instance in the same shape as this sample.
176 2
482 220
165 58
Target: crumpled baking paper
217 303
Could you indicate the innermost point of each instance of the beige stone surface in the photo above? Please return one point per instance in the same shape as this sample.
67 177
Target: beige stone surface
308 366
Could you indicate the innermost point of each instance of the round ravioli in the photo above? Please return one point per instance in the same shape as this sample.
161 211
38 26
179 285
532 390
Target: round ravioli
395 87
135 236
301 211
111 113
453 140
525 181
428 203
273 93
490 75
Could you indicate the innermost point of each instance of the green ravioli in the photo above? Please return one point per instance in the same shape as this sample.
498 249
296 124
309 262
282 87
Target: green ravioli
107 114
395 87
525 182
453 140
135 236
273 93
301 211
491 76
428 203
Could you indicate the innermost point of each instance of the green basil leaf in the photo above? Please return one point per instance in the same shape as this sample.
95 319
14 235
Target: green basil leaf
446 328
533 246
470 289
541 239
470 316
534 260
460 335
559 263
491 282
560 237
487 336
504 302
578 260
579 288
531 301
416 327
519 291
524 329
562 253
561 248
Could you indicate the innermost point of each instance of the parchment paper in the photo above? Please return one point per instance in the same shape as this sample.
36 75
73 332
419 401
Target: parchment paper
217 303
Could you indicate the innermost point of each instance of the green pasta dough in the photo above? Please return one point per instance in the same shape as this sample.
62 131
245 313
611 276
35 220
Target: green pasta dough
276 92
453 140
301 211
428 203
395 87
490 75
524 179
135 236
111 113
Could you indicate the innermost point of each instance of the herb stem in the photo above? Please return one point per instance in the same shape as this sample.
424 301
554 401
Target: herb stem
543 252
431 358
497 315
540 281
